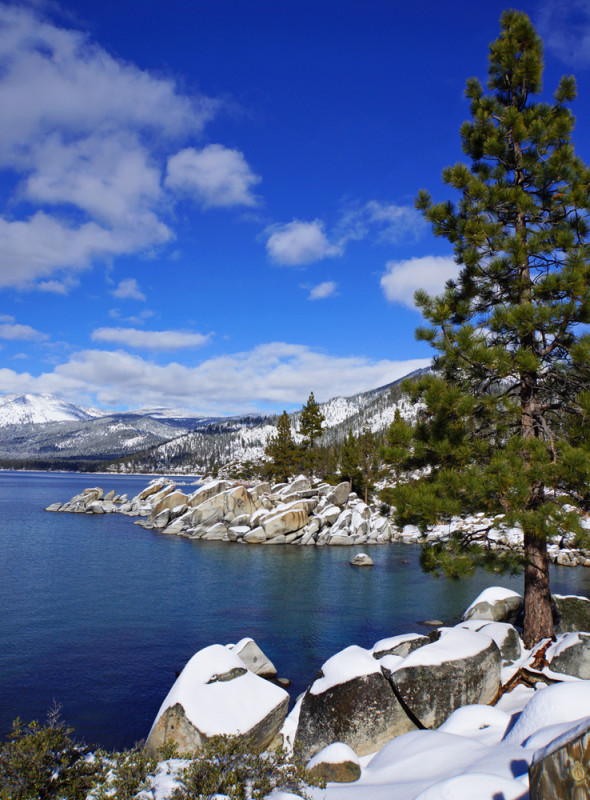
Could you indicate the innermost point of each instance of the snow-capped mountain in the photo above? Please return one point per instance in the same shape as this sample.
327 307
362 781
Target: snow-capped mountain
41 429
35 409
245 438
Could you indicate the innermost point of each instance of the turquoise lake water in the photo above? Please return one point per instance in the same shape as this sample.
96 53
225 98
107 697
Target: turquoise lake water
99 614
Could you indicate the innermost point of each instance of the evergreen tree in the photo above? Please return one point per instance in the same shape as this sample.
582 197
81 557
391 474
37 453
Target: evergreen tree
282 451
505 427
350 462
368 460
311 420
398 441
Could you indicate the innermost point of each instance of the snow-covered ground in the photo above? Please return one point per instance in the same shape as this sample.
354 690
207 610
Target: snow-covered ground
480 753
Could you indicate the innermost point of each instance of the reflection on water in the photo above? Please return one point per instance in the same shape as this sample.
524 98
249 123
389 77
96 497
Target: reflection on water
98 613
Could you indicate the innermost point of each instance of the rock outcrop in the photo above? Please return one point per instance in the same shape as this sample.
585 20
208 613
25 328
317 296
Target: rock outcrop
290 513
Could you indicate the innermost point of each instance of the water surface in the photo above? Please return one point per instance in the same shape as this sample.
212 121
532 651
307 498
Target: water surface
98 614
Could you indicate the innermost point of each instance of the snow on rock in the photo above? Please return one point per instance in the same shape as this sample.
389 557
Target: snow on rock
337 762
485 723
352 702
461 668
352 662
496 604
560 703
216 694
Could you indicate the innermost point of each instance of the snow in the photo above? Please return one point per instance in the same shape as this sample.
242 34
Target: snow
26 409
393 641
485 723
492 595
562 643
562 702
454 644
222 707
569 733
476 786
336 753
350 663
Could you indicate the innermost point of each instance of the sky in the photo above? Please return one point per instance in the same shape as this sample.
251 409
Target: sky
209 205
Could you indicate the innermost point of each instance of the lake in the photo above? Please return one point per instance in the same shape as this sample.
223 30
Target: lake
99 614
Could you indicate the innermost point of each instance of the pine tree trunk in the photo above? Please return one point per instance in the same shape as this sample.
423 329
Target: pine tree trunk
538 616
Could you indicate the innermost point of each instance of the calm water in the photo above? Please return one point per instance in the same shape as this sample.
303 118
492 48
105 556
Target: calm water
98 614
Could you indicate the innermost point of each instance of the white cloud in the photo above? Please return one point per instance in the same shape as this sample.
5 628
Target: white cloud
36 248
85 134
276 374
215 175
150 340
323 290
298 242
12 331
128 289
565 28
403 278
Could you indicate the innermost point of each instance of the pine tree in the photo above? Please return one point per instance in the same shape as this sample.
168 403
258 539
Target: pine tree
398 440
368 460
311 420
350 461
282 450
505 427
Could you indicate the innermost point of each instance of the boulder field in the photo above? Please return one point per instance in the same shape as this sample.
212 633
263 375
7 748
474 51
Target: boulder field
301 512
456 678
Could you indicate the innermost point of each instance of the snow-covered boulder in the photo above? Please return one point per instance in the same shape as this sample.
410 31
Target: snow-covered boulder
570 613
549 713
361 560
215 694
462 667
570 655
337 762
253 657
350 701
505 635
495 604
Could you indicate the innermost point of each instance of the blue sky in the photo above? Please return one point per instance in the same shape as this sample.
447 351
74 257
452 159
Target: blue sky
209 205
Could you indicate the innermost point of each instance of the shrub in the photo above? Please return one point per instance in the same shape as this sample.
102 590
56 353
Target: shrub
39 762
227 766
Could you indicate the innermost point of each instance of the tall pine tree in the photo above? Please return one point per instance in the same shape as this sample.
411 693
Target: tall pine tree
282 451
311 420
505 427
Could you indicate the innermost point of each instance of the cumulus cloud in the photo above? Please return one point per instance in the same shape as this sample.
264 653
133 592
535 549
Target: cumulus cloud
215 176
12 331
37 247
128 289
298 243
276 374
150 340
323 290
403 278
84 133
